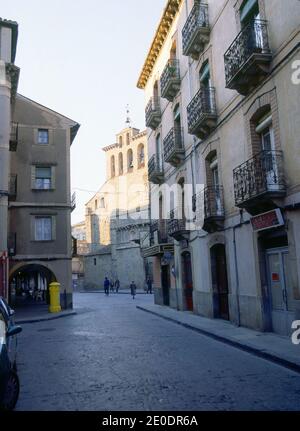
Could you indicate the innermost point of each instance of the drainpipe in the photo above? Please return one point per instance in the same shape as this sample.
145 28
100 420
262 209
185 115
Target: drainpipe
236 276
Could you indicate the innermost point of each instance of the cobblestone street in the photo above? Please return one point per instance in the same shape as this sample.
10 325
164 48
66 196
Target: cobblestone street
112 356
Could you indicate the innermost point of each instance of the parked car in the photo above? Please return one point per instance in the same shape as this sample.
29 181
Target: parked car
9 381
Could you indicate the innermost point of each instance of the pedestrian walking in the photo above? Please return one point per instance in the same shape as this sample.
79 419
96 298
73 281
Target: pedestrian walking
117 285
111 284
133 289
106 286
149 285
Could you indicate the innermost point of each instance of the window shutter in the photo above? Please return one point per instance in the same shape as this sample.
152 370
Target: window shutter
32 228
53 228
33 177
53 177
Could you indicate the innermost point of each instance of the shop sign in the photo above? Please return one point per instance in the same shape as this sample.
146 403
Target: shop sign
268 220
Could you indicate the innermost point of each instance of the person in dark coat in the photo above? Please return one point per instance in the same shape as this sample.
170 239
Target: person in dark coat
106 286
133 289
117 285
149 285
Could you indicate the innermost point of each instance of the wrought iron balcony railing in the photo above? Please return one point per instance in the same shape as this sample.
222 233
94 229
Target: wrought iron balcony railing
12 187
170 80
14 137
247 58
213 202
177 225
195 33
155 170
153 113
159 232
202 112
259 177
174 146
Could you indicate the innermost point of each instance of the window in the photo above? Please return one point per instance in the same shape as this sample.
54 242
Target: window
249 11
129 160
102 202
95 262
43 136
113 166
127 138
96 204
43 229
141 156
120 141
43 178
120 164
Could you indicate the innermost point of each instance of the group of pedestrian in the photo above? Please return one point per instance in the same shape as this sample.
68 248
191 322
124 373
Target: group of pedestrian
111 286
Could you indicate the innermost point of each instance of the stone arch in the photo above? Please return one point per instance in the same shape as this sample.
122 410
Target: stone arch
141 155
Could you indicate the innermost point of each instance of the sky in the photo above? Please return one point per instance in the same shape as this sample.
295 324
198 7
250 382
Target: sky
82 58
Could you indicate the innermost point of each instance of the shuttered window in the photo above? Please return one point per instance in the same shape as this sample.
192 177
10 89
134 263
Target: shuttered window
43 229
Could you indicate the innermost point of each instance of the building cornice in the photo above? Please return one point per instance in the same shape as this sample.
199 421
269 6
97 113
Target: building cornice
162 31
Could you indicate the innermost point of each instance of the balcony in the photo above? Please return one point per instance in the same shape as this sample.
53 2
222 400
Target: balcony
202 113
13 140
248 58
258 181
153 113
12 187
155 170
214 213
73 202
195 33
177 225
170 80
160 243
173 147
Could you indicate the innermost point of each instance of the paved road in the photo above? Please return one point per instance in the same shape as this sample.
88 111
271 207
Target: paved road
111 356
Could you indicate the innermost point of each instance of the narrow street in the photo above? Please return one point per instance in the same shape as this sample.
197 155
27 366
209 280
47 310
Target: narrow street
112 356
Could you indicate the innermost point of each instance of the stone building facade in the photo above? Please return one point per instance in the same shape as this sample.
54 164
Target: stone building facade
222 91
117 217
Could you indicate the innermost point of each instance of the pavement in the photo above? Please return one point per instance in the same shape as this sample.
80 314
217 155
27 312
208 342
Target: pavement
113 356
270 346
38 313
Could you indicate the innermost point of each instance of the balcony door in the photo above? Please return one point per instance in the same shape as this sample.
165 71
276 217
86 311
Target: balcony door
250 16
270 168
216 185
281 290
206 84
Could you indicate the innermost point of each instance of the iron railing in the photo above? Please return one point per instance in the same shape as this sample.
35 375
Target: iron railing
173 142
252 39
213 202
154 166
170 72
204 103
159 226
198 18
261 174
176 222
152 109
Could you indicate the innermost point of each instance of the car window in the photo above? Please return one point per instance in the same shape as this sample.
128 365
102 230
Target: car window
3 327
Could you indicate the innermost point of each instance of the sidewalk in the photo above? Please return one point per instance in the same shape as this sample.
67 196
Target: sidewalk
269 346
38 313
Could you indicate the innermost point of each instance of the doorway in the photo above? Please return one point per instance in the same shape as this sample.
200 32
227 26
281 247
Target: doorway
187 280
219 282
279 270
165 283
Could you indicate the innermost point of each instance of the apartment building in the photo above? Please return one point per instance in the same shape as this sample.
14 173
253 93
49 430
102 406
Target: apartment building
9 77
222 111
117 217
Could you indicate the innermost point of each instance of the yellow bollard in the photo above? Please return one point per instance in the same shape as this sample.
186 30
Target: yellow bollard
54 289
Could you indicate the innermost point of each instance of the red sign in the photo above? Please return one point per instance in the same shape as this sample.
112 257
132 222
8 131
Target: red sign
275 276
267 220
